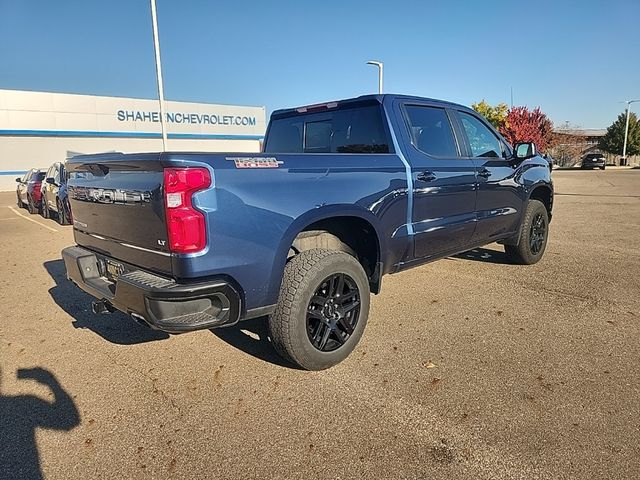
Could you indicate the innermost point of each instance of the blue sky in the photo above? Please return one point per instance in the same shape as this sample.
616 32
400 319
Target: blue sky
576 60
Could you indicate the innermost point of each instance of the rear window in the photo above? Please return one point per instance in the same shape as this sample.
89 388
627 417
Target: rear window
349 130
38 177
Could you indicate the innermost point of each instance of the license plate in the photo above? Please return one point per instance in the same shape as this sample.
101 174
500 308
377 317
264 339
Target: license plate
114 269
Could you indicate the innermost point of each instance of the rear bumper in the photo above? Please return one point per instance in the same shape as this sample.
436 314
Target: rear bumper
161 302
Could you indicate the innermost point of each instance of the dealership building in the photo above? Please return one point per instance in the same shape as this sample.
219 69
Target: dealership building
40 128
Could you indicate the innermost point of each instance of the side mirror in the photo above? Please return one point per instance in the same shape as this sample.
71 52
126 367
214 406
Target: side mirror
525 150
50 181
18 179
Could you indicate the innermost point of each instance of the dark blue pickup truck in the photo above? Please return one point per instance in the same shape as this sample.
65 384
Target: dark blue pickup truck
344 193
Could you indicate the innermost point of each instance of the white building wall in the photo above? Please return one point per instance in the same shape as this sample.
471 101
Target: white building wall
39 128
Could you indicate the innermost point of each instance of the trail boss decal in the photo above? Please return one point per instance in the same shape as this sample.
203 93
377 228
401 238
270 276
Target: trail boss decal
255 162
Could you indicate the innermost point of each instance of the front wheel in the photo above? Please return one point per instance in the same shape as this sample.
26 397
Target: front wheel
31 207
63 216
533 235
322 309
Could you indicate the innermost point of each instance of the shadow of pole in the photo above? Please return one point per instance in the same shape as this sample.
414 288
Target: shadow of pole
21 415
116 327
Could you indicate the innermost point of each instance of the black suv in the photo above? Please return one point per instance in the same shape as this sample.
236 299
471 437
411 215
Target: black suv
593 160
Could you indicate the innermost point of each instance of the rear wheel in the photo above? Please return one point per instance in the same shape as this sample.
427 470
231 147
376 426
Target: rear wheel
533 235
45 208
322 309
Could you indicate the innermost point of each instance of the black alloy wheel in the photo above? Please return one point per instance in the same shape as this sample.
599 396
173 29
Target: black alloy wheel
333 312
537 234
532 240
322 308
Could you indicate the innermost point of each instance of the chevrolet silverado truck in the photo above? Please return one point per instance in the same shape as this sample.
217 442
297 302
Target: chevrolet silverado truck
342 194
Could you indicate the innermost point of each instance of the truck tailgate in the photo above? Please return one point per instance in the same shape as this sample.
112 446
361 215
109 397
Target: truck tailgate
118 208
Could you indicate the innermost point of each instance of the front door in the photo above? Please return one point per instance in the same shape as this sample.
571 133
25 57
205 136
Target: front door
444 183
499 201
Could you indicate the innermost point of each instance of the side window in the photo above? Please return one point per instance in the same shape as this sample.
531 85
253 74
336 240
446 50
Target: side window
56 175
482 141
431 131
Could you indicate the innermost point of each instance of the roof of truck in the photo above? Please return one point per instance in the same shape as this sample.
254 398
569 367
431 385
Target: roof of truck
362 99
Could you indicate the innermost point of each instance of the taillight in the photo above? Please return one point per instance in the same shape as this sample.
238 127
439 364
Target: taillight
186 226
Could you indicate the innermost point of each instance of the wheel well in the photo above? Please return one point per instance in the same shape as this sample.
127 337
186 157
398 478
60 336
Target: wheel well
543 194
351 235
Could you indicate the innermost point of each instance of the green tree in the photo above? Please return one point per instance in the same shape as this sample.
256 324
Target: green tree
614 138
496 115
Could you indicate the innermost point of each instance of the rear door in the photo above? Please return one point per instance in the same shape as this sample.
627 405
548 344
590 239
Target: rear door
500 198
118 208
444 182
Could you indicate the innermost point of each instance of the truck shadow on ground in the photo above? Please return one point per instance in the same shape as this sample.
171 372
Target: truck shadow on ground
22 415
116 328
252 337
484 255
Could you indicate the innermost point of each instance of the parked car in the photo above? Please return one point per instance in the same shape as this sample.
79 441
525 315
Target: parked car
55 203
344 193
28 190
593 160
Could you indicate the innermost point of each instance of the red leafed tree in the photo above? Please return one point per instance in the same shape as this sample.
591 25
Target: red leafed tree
524 125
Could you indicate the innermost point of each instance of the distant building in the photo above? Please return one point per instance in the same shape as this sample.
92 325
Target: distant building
572 144
40 128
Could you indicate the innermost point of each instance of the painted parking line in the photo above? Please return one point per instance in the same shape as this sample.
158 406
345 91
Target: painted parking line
8 218
15 210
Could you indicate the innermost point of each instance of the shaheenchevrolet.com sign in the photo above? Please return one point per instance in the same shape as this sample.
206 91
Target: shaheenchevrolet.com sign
40 128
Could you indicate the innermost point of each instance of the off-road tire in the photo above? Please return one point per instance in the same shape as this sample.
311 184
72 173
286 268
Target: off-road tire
523 253
303 275
62 216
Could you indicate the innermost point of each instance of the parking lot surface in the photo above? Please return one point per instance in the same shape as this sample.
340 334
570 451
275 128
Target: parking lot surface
469 368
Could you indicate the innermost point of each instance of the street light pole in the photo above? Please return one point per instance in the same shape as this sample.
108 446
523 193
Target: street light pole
156 44
380 66
626 130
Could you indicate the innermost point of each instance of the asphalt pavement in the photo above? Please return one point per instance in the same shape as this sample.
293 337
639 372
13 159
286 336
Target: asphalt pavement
469 368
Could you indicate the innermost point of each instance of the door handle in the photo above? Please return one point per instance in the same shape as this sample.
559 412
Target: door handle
484 173
426 176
